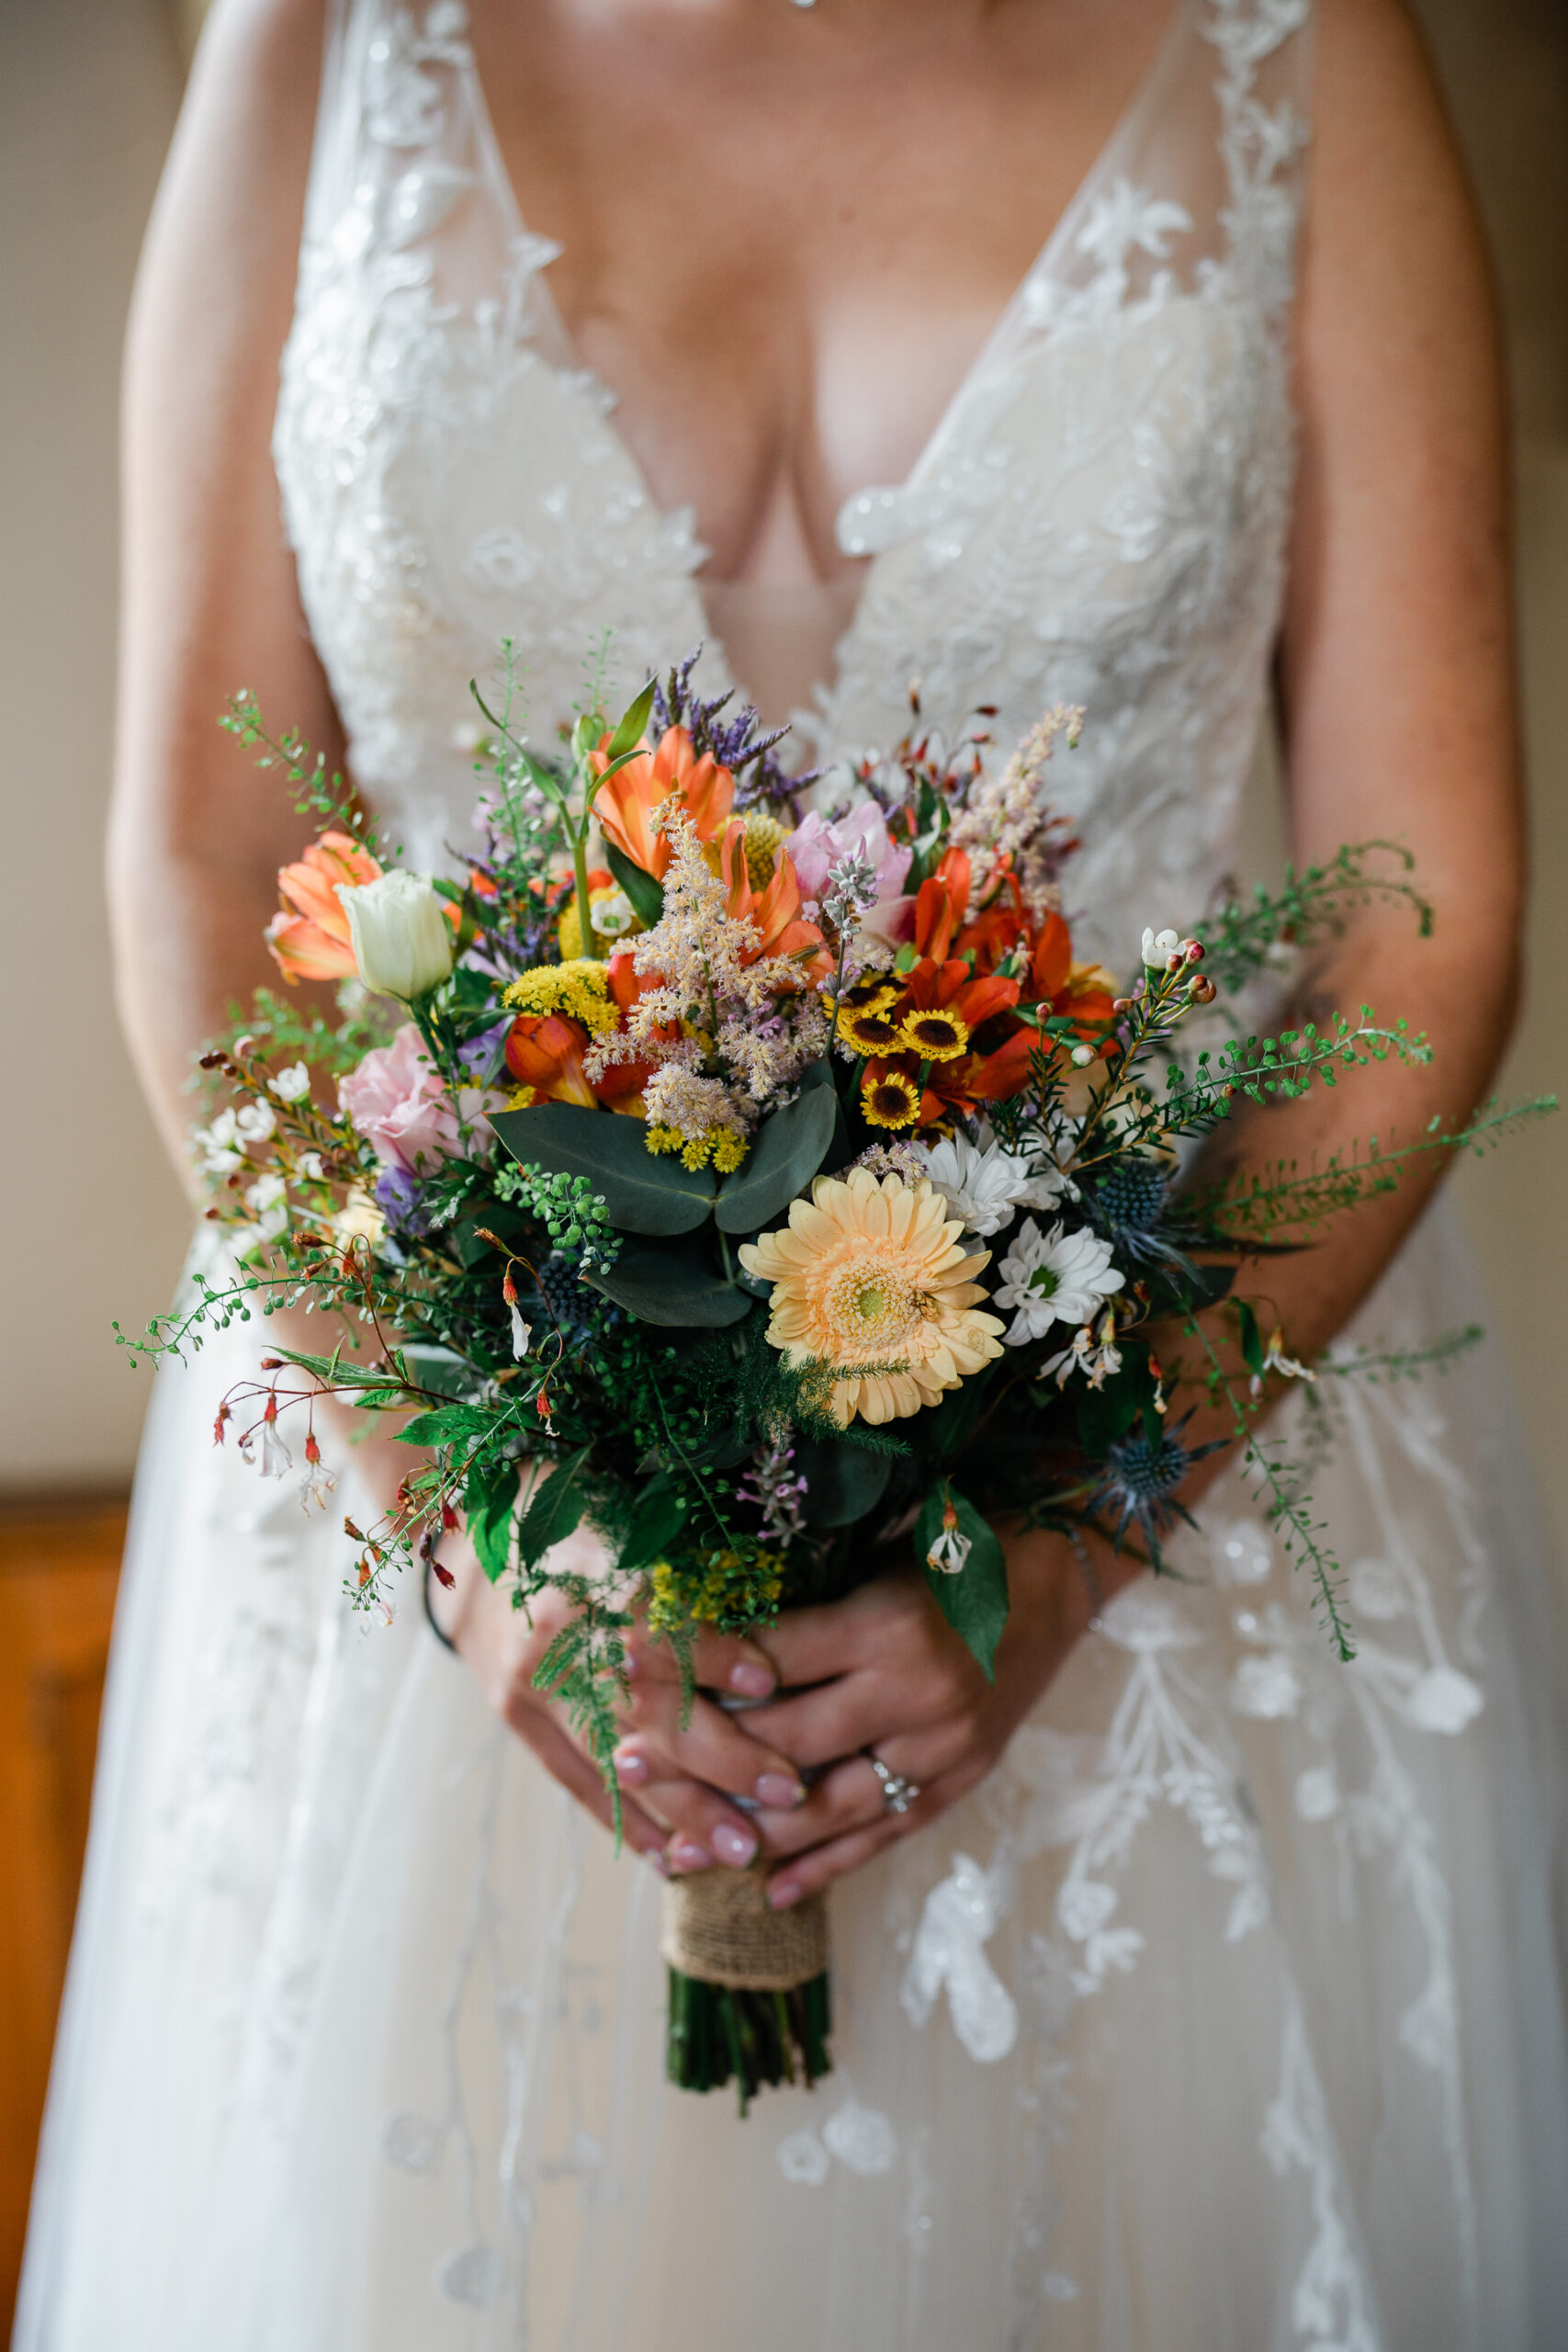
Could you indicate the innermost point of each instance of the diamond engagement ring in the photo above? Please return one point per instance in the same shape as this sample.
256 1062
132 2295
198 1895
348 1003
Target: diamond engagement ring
897 1793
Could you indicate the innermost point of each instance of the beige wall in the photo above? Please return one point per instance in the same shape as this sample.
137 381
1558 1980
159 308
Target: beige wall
90 1214
92 1217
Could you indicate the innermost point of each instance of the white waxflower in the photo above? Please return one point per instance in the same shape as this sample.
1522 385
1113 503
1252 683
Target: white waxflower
985 1185
1158 947
310 1167
291 1085
267 1202
219 1144
1054 1277
254 1122
401 939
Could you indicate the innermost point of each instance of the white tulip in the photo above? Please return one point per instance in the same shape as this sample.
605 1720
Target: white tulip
401 939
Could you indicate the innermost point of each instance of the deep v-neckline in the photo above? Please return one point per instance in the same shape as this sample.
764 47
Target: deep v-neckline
998 342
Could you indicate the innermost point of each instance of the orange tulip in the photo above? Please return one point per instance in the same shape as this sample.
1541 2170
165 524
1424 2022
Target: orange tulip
545 1051
626 805
312 943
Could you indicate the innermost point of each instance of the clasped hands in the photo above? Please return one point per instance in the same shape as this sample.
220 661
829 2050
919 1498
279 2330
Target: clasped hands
879 1673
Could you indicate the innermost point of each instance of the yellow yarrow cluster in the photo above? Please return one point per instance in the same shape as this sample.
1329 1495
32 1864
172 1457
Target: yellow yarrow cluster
579 987
735 1590
722 1145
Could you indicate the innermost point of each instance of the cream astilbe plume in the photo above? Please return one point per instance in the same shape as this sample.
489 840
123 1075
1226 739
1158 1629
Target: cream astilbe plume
871 1273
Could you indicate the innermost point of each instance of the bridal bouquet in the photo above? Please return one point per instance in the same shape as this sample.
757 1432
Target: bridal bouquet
772 1195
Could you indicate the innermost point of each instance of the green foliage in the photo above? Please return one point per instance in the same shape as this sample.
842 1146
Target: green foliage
658 1517
644 894
555 1509
571 1213
789 1150
974 1600
641 1192
844 1482
670 1288
1242 939
329 800
489 1500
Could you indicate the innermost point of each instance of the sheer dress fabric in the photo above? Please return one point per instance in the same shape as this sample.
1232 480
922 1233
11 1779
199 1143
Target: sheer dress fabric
1226 2016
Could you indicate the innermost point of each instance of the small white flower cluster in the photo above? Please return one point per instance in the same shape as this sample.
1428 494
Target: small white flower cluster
224 1144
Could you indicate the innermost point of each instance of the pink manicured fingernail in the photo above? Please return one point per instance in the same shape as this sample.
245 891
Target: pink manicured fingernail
632 1767
686 1854
774 1791
783 1892
751 1681
733 1846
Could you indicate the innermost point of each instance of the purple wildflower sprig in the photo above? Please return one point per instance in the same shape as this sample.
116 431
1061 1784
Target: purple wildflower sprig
736 741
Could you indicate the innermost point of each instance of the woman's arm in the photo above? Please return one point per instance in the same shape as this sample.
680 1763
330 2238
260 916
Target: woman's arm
209 599
197 834
1397 678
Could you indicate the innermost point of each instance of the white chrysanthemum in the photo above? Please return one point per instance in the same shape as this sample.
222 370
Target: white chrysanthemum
1054 1277
985 1185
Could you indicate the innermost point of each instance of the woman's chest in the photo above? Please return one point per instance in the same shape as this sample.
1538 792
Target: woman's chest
784 235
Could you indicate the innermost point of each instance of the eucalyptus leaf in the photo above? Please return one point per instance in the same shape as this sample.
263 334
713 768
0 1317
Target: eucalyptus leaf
842 1482
643 1193
668 1286
554 1511
789 1150
644 892
974 1600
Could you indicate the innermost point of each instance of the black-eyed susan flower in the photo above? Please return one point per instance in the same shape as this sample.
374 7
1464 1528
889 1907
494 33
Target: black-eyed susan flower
934 1031
890 1097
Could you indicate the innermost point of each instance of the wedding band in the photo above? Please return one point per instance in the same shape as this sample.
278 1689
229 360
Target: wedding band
897 1793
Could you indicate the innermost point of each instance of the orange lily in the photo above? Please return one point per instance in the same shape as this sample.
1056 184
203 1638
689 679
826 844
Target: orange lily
626 804
312 941
940 905
1083 991
775 911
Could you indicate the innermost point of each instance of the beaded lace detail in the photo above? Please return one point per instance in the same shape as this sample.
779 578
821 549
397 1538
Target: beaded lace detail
1100 515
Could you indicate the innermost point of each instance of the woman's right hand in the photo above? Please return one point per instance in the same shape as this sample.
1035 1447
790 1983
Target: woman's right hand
670 1776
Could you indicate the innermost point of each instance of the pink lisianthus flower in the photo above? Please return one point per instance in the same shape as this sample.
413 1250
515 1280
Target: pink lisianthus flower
817 846
398 1101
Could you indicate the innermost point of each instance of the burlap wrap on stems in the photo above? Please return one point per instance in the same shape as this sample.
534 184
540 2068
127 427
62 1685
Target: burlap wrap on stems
718 1928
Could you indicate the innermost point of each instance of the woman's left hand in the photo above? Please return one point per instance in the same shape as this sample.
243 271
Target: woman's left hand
883 1674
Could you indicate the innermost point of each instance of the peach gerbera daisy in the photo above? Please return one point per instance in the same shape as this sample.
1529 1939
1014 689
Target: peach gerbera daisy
870 1273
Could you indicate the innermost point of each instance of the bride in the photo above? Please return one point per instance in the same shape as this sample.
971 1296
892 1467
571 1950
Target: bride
1207 2000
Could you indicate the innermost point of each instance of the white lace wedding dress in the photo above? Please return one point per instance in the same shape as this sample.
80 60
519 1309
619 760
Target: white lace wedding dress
1226 2016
